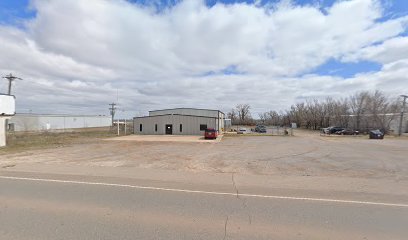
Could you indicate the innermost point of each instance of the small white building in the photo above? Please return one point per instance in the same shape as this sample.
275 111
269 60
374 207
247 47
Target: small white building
56 122
179 121
7 109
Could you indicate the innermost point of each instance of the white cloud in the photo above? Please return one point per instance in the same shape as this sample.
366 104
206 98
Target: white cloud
389 51
75 55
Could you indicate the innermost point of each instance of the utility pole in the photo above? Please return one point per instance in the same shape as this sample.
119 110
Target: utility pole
112 111
125 126
11 78
118 127
402 114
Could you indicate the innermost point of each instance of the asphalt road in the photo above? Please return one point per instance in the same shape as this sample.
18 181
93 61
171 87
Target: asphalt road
53 210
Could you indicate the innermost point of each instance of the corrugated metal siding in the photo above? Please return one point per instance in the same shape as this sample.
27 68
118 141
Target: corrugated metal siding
191 124
49 122
221 119
186 111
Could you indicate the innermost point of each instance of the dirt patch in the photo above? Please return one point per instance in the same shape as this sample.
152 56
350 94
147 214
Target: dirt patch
20 142
305 154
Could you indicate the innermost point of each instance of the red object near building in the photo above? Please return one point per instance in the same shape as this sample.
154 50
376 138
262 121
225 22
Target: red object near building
210 133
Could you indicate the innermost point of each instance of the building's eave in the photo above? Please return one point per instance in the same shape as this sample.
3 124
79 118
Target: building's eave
186 108
172 114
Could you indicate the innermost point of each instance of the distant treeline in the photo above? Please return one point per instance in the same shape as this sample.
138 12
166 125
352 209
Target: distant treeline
361 111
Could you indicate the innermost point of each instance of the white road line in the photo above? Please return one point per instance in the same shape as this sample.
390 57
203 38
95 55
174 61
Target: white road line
209 192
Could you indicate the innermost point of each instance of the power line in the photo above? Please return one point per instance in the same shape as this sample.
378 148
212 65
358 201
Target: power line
11 78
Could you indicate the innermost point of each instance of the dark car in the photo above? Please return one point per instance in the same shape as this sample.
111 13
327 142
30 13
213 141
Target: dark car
260 129
347 132
376 134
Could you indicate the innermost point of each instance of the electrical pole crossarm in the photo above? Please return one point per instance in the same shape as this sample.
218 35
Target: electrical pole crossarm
11 78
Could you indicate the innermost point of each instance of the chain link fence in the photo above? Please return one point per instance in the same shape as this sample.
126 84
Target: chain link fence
270 130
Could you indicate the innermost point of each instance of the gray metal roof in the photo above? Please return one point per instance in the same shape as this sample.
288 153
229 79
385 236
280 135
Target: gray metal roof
186 108
174 114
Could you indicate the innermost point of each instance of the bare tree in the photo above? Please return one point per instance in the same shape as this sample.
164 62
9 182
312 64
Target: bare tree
263 117
361 111
244 115
380 111
274 118
233 116
271 118
340 113
358 107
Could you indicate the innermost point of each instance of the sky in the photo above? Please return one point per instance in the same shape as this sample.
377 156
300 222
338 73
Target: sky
78 56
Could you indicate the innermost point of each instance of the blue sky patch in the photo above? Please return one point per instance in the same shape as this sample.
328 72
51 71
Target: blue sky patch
397 8
211 3
163 4
12 12
158 5
337 68
230 70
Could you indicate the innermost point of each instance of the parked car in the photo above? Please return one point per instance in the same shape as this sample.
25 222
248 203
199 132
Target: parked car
332 130
325 130
376 134
210 133
242 131
347 132
260 129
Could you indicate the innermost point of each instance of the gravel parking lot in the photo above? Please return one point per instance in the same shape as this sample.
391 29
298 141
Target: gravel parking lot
305 154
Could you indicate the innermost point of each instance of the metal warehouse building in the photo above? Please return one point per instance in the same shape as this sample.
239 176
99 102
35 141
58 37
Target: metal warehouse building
50 122
179 121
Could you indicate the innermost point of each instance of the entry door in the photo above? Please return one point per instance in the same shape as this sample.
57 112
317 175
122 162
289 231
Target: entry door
169 129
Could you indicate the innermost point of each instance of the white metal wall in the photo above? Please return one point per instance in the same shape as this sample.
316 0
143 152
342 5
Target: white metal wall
3 131
221 120
31 122
190 124
7 105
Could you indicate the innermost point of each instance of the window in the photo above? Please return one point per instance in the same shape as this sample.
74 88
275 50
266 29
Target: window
140 127
203 127
181 127
155 127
